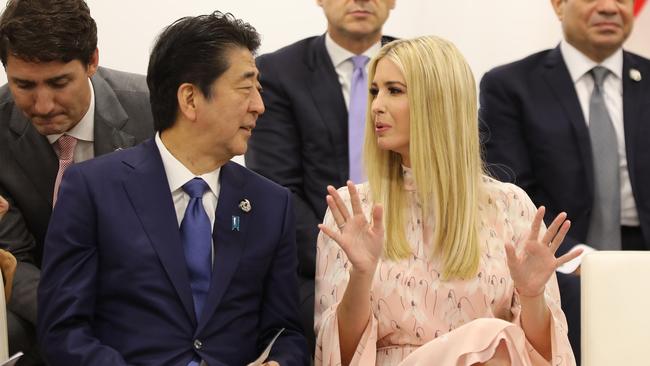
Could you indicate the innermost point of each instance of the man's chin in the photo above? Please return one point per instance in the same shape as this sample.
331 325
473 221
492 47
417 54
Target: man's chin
50 130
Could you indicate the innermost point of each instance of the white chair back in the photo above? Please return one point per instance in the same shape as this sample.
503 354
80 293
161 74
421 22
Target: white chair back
615 298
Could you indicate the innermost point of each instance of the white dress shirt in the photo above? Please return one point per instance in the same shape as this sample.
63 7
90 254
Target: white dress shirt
579 66
178 175
83 131
343 65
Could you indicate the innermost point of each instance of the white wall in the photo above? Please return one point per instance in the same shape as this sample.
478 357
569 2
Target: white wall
489 33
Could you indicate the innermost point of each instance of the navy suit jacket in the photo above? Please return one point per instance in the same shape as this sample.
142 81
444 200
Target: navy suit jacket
535 135
115 288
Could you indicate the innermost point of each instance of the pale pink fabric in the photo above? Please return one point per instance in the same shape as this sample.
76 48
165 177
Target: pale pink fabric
419 319
64 148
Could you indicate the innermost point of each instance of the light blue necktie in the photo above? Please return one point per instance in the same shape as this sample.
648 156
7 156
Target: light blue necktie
196 234
605 219
357 117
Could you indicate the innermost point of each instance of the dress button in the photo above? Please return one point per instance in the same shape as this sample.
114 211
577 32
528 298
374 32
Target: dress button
197 344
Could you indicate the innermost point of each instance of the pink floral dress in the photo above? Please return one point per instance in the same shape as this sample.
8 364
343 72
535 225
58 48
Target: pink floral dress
418 319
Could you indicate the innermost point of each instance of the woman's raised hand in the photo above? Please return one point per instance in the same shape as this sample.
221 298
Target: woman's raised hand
362 241
532 267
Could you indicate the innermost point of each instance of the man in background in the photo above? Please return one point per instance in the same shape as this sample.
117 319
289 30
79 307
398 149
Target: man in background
58 107
570 125
311 135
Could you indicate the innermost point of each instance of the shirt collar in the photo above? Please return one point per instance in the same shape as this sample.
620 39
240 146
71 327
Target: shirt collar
338 54
178 174
84 130
579 64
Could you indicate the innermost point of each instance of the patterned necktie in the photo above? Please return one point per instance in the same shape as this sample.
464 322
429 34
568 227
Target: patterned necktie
64 148
196 235
605 221
357 117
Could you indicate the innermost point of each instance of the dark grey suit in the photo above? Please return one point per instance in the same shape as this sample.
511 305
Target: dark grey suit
28 168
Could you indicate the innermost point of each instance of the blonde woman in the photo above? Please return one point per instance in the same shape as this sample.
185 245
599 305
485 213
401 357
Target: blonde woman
431 261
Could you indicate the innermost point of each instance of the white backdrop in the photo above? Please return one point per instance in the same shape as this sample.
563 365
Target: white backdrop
489 33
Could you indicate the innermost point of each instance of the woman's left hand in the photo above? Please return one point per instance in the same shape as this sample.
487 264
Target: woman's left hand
536 262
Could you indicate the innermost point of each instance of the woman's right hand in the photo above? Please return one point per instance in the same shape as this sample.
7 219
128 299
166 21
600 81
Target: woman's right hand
362 241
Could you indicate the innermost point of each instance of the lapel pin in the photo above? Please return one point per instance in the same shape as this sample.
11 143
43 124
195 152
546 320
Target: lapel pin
245 205
235 223
635 75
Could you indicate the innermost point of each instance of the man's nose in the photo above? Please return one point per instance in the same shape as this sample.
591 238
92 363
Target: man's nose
43 102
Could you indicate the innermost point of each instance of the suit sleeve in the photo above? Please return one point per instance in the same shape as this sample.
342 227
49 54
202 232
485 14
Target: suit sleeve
280 302
275 151
506 153
16 238
66 294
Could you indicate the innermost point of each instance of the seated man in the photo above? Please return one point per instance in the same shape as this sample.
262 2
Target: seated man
58 107
168 253
569 125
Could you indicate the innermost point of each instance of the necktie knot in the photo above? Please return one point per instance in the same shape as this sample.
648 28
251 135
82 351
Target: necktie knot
599 74
64 147
195 188
359 61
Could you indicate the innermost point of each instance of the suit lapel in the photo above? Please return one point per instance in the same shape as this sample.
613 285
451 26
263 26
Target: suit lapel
558 78
632 104
34 154
110 119
328 99
229 243
148 189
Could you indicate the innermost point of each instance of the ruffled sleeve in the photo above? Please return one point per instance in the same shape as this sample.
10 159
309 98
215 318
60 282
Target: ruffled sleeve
332 275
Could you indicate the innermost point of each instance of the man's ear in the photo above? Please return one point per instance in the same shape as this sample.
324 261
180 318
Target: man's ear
187 96
93 63
558 7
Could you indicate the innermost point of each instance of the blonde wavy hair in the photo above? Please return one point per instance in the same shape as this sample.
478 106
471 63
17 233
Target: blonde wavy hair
444 152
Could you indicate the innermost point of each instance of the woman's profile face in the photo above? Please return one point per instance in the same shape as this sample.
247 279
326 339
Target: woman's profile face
390 109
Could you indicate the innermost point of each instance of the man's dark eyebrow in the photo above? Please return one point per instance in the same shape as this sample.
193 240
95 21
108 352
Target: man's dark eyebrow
58 78
249 75
53 80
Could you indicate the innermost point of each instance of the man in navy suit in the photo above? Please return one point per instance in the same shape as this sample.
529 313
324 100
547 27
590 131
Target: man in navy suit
535 119
302 140
168 253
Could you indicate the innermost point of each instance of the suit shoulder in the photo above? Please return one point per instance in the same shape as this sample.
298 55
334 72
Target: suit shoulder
638 60
121 81
106 165
519 67
261 182
292 51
